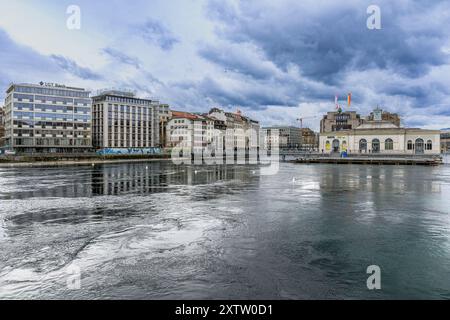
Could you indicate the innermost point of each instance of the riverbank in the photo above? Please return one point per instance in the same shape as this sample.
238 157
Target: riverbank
30 162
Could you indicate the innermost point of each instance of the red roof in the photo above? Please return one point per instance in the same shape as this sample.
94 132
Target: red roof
182 114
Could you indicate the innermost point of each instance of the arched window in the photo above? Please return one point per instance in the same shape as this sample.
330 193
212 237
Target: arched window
410 145
336 145
363 145
429 145
419 146
389 144
375 145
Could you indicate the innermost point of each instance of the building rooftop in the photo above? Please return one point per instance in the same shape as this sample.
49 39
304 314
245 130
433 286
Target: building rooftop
45 85
116 92
282 127
185 115
377 125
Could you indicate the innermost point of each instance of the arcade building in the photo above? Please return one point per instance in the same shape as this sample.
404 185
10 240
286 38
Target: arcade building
380 136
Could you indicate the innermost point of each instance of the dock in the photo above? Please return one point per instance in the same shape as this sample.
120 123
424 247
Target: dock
372 160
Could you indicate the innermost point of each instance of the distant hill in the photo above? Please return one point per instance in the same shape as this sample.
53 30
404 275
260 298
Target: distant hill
445 129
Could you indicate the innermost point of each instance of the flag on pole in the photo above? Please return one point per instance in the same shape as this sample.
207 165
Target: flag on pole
336 102
349 99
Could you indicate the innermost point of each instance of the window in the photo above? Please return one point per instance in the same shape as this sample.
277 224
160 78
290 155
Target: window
410 145
419 146
389 144
375 146
429 145
363 145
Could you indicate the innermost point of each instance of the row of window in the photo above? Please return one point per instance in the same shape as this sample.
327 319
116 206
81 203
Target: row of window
64 117
49 124
53 92
389 144
44 99
127 109
127 100
44 107
418 145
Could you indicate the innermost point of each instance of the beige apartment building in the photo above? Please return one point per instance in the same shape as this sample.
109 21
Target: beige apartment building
122 120
188 130
240 131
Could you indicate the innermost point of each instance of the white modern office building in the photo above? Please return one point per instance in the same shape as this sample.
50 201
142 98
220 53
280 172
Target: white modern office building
47 118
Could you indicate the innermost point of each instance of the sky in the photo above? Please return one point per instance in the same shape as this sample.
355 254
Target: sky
276 61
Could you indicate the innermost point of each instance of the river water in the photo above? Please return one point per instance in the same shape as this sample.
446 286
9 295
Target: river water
159 231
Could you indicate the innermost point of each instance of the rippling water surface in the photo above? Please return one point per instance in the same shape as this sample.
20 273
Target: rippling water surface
160 231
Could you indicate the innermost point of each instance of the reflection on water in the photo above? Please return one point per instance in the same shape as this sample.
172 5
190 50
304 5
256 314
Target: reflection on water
156 231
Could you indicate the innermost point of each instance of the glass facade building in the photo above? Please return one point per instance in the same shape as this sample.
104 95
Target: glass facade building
121 120
47 118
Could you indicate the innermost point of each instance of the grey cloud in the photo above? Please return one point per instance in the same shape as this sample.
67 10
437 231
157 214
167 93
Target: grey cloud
324 43
122 57
239 59
73 68
329 44
158 34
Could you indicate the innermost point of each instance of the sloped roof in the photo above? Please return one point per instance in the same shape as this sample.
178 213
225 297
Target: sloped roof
185 115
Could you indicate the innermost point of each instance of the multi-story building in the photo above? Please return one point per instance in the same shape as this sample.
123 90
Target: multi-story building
381 137
47 118
380 115
240 131
2 126
288 137
164 115
2 116
188 130
336 121
121 120
445 141
310 140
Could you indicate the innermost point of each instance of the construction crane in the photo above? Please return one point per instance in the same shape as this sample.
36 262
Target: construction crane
305 118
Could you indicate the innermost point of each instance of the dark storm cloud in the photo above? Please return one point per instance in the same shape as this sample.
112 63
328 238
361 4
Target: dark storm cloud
328 42
335 53
252 95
